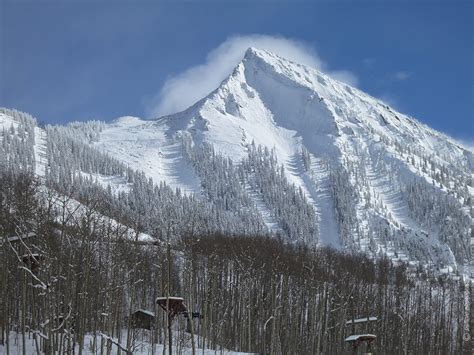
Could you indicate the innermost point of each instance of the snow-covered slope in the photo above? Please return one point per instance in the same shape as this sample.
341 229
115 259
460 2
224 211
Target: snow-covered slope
147 146
288 107
379 181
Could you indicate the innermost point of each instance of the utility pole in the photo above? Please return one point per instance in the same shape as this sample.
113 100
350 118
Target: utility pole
191 328
170 339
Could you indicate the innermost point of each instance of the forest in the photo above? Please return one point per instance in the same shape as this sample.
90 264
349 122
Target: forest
71 283
81 259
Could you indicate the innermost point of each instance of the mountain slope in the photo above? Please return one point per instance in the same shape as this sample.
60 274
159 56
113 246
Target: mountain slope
290 108
365 176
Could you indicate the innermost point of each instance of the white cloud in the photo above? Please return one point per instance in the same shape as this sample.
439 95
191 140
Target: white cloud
184 89
345 76
401 75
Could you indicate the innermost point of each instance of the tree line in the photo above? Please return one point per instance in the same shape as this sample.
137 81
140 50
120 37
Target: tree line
84 274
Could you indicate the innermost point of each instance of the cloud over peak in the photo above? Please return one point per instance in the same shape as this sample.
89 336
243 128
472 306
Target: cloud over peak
184 89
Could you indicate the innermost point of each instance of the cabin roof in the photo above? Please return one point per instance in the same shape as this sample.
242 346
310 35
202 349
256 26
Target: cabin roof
360 337
144 311
176 304
15 238
362 320
161 299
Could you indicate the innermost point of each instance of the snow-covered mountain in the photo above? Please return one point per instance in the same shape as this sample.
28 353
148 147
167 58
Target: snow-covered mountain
353 173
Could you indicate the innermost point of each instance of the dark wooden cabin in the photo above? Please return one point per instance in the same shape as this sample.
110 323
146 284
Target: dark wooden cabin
143 319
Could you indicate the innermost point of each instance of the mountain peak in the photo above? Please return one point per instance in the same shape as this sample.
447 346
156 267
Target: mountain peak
253 51
272 59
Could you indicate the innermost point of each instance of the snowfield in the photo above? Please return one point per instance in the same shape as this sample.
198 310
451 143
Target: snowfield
146 146
141 347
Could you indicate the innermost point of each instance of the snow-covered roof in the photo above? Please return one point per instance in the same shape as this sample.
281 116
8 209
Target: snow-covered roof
149 313
34 255
171 298
362 320
176 304
15 238
360 337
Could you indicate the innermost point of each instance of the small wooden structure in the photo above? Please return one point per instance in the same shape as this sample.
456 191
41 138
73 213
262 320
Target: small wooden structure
143 319
173 306
32 261
176 305
359 339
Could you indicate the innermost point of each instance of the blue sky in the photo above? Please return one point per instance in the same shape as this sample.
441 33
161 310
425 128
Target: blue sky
78 60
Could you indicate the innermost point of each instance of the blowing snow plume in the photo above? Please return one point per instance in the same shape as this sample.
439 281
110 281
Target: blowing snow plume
184 89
